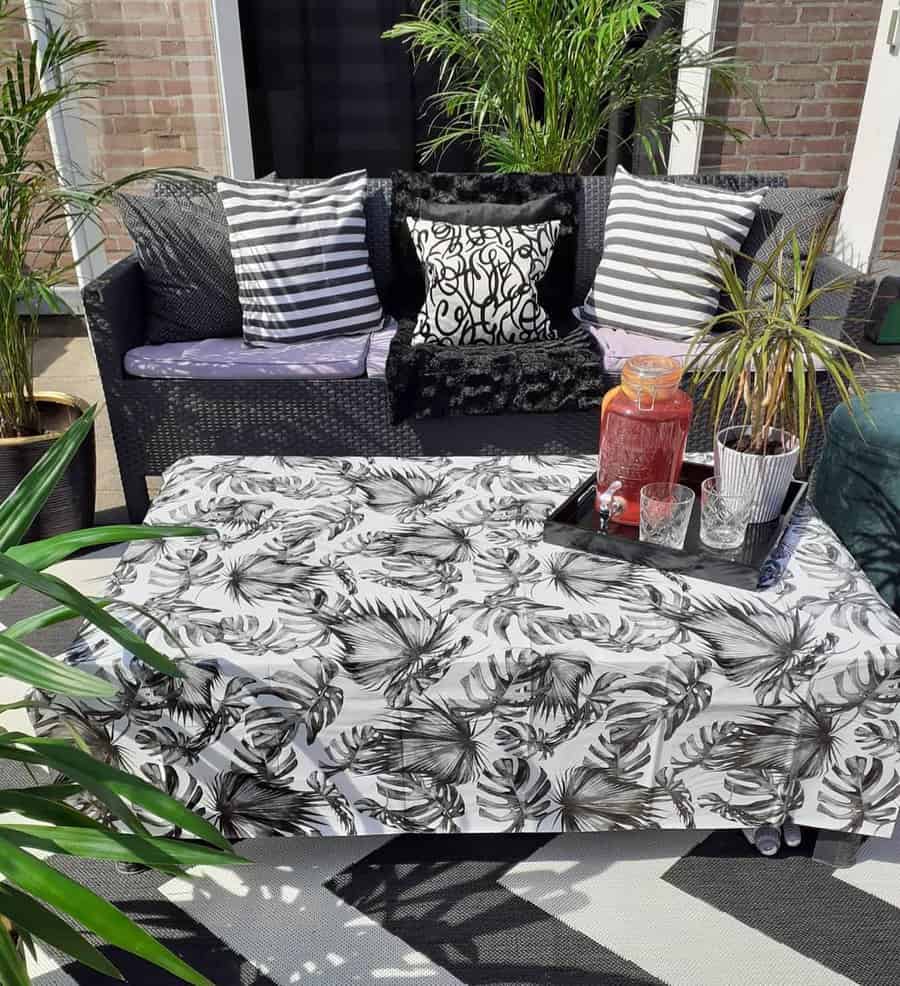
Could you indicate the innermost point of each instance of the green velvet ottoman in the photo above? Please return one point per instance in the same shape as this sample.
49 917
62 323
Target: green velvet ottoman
857 488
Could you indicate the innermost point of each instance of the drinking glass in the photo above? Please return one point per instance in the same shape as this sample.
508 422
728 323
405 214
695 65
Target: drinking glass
723 517
665 513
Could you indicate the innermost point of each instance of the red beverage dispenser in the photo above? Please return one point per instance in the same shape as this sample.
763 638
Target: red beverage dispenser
644 426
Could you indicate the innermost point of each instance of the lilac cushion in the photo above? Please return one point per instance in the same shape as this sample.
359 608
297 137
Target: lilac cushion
619 345
338 358
379 346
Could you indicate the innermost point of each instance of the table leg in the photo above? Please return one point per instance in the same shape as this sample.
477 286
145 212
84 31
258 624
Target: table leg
837 849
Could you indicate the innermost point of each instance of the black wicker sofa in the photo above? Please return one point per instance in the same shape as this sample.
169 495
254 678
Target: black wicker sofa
157 421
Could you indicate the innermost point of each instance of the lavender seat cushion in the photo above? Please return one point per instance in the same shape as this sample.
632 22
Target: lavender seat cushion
337 358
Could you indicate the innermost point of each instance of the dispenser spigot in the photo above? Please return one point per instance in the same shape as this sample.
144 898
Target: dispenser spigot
608 505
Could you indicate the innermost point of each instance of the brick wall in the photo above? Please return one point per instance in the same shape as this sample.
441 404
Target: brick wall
811 60
161 107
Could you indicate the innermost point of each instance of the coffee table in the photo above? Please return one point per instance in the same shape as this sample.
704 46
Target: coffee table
387 645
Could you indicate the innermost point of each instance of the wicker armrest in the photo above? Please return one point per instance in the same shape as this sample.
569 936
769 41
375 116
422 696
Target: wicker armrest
842 314
114 308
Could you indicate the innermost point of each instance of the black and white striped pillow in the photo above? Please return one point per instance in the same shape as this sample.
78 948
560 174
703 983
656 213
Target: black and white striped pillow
656 275
301 258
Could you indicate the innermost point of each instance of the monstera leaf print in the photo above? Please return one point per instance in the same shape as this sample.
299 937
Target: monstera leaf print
706 748
336 801
588 579
292 530
590 799
522 739
507 571
625 762
272 766
243 806
185 567
871 684
669 781
503 685
802 740
311 621
514 792
675 692
494 616
881 737
434 740
400 651
359 750
426 804
436 579
755 644
170 745
305 697
774 797
407 493
860 792
250 635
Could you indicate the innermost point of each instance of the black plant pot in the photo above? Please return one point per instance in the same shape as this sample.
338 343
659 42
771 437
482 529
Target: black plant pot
71 504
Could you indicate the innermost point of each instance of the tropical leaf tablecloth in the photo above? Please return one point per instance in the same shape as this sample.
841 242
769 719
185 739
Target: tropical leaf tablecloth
387 645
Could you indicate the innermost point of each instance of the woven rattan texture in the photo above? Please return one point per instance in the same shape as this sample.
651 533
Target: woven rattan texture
156 422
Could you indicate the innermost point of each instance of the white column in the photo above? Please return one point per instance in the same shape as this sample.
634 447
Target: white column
226 23
70 155
699 29
876 151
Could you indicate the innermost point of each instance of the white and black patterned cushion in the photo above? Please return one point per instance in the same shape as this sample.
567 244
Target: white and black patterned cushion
656 274
301 258
482 282
181 242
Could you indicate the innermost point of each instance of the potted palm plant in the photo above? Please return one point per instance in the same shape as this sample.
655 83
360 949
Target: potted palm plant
36 203
759 376
535 84
40 817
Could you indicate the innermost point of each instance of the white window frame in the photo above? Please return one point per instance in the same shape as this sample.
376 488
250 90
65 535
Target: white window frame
226 24
699 28
876 150
72 161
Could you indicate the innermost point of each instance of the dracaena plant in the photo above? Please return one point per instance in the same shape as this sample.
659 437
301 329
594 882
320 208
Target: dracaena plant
755 362
36 199
534 84
33 893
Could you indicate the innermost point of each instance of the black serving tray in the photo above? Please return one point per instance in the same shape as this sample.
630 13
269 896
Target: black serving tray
574 525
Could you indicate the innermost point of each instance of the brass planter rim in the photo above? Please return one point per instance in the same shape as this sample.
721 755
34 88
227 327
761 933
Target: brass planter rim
48 397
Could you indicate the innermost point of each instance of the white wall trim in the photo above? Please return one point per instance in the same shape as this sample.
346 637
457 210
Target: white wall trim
875 153
699 29
226 24
70 155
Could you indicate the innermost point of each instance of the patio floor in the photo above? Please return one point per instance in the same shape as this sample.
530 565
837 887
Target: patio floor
64 361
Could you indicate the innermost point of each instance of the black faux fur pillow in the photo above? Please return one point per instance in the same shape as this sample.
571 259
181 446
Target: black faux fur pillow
555 291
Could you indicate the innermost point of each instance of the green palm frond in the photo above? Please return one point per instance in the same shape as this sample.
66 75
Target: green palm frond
761 374
534 83
41 816
37 201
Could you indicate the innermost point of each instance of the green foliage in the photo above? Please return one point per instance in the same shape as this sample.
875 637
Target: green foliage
535 83
43 819
36 200
761 374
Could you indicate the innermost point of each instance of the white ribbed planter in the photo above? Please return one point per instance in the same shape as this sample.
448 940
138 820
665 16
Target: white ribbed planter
767 477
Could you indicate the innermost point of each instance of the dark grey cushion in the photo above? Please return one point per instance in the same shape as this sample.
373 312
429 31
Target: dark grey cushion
181 241
783 209
490 213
